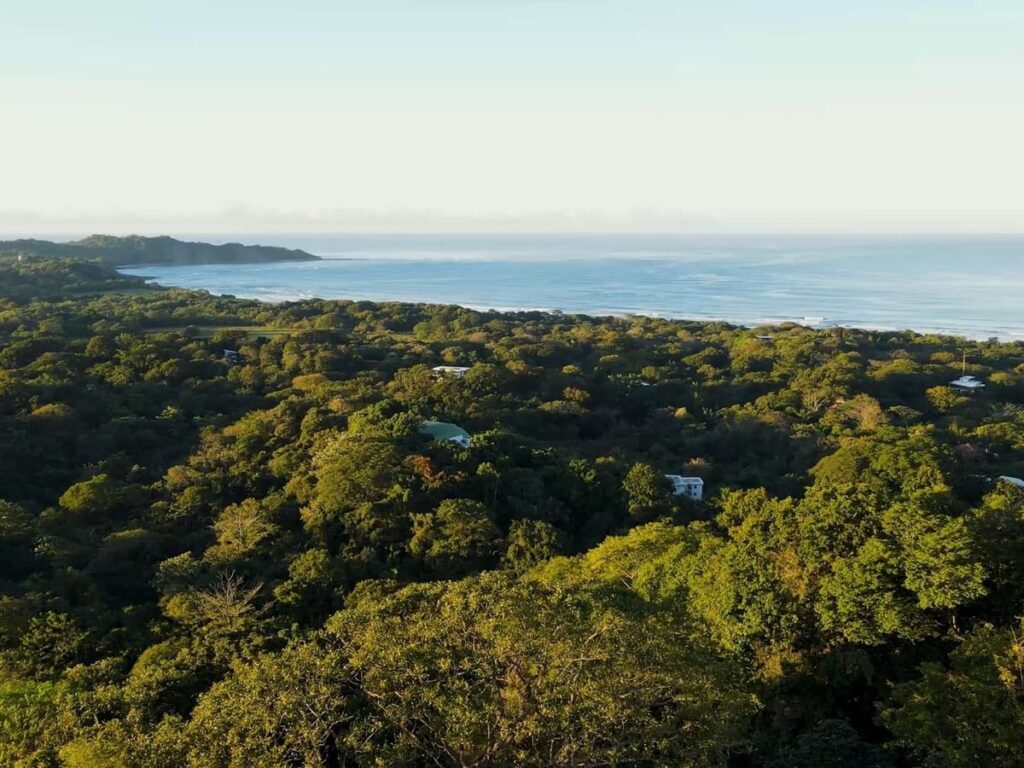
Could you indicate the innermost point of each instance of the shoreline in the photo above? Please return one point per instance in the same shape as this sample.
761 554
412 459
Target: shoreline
821 324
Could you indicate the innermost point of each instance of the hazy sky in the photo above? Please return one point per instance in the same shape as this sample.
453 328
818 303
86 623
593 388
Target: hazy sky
572 115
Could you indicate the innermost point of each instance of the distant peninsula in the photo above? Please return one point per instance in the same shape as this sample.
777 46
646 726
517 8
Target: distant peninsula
135 250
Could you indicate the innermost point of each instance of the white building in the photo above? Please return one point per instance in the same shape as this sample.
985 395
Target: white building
452 371
967 383
687 486
1012 480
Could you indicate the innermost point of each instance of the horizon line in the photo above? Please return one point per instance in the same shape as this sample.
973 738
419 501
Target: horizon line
9 235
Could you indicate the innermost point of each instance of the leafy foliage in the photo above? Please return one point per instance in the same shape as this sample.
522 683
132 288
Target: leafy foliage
258 559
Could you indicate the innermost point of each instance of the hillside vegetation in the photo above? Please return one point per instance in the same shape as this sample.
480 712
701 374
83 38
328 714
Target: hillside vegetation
256 558
142 251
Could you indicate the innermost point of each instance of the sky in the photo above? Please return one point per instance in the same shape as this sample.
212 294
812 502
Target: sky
511 115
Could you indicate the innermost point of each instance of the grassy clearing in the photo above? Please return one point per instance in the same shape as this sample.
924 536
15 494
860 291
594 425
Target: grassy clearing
206 331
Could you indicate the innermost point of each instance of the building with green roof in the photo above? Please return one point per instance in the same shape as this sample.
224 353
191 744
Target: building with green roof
445 431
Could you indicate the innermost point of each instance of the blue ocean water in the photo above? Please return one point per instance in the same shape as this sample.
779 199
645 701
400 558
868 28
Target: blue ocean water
965 285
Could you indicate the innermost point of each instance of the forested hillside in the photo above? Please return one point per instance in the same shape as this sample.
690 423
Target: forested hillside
225 541
141 251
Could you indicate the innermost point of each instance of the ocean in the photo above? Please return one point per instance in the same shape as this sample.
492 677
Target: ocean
965 285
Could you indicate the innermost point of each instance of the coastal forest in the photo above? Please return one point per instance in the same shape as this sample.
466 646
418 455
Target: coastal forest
226 540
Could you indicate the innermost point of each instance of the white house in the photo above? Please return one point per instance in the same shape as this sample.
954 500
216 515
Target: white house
452 371
967 383
1012 480
687 486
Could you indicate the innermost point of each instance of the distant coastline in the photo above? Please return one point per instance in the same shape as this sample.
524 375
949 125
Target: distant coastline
135 251
957 286
871 282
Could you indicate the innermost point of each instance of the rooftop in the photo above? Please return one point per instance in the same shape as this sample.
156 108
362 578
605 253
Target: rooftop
442 430
681 478
687 486
967 382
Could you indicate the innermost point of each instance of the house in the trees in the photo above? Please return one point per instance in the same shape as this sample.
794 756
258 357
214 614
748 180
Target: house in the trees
1012 480
446 432
233 356
449 371
967 383
692 487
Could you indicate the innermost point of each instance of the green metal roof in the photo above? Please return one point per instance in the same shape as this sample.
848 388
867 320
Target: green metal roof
442 430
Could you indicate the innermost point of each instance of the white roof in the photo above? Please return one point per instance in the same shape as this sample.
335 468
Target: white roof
689 480
1012 480
967 382
451 368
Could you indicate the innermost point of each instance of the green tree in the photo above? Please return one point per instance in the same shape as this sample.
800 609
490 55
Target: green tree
235 727
242 527
50 643
97 497
531 542
648 492
352 471
831 744
971 713
496 671
458 538
27 713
